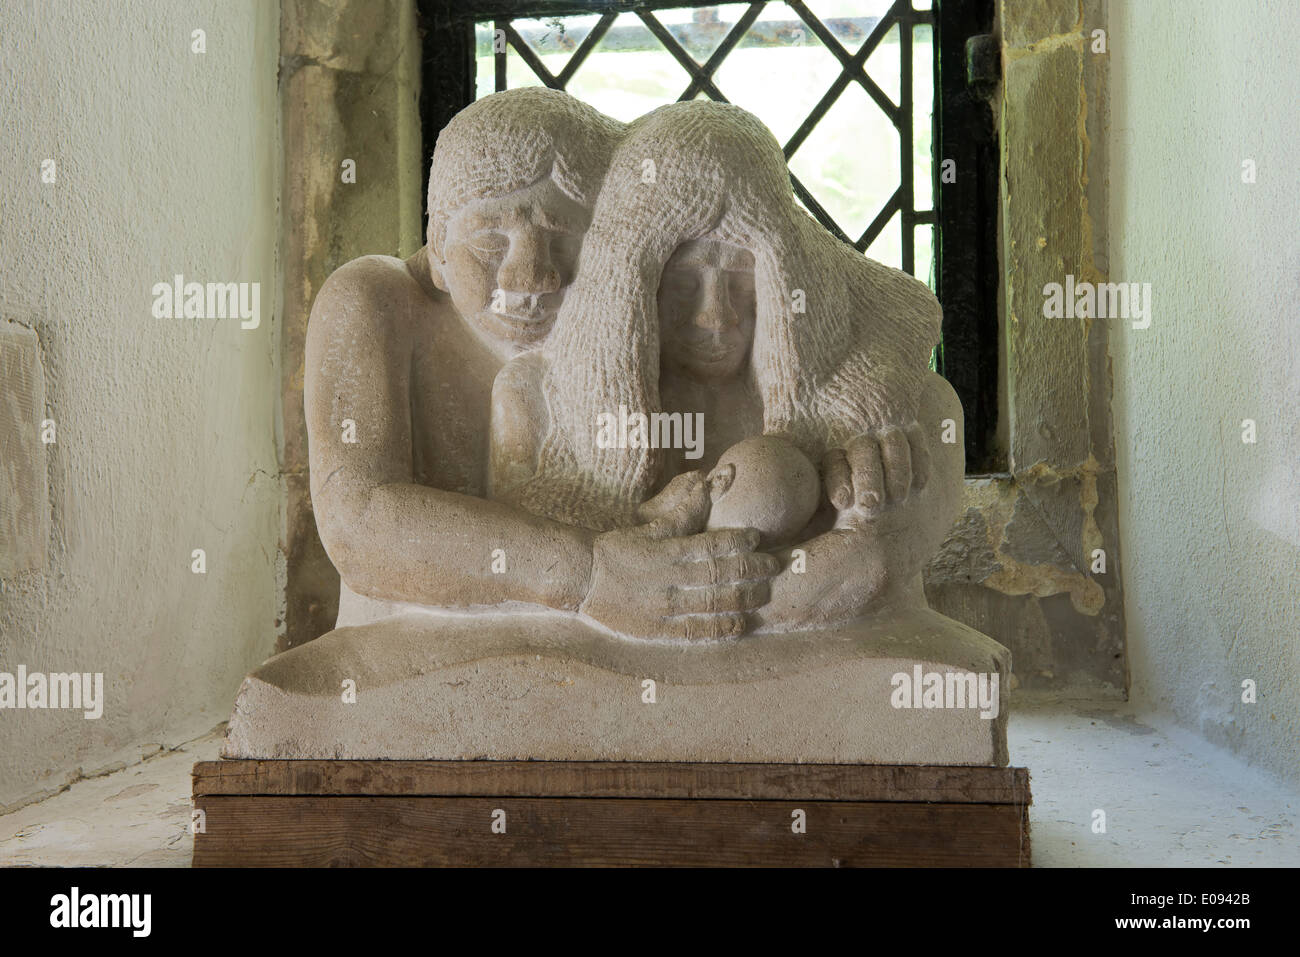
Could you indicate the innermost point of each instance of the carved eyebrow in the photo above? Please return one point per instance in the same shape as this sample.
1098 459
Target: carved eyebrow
737 260
491 215
515 216
549 219
471 221
732 259
690 256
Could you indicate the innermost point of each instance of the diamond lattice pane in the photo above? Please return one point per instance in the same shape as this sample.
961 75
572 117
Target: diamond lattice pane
849 21
629 72
887 247
779 71
849 163
700 30
883 65
554 39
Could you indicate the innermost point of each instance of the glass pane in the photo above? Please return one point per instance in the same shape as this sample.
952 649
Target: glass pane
758 74
518 72
484 63
883 65
629 72
850 21
888 246
850 160
554 39
702 29
925 253
922 116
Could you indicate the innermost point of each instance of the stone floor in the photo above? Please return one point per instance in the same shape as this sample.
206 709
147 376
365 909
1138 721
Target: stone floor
1170 800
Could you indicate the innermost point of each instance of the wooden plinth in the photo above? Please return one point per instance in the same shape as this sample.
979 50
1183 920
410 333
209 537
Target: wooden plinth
559 813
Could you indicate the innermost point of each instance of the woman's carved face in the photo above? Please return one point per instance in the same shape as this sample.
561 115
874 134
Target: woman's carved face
707 309
510 260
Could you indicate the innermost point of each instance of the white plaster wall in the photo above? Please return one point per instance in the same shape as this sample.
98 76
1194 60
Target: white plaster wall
167 163
1211 526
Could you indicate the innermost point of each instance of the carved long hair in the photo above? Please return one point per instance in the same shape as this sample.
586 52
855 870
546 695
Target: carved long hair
853 360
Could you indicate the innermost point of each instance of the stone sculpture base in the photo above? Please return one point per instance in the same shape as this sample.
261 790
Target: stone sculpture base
547 813
550 687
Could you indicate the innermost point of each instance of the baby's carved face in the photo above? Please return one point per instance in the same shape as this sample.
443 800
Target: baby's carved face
767 484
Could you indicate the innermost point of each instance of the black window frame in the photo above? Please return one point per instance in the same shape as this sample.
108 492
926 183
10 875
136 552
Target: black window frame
964 211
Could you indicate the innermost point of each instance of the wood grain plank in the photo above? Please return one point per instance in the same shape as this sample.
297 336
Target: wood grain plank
320 831
712 781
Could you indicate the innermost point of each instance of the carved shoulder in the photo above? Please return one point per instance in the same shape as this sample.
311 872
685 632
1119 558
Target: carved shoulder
357 368
372 294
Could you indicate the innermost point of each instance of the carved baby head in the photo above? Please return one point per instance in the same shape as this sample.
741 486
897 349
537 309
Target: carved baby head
707 309
764 483
513 181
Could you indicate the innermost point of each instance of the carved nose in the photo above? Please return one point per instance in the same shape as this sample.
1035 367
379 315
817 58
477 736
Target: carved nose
528 267
716 313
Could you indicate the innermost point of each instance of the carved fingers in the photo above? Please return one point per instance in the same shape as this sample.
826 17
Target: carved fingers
877 468
717 599
867 465
697 587
681 508
838 478
707 546
753 566
896 456
720 577
706 627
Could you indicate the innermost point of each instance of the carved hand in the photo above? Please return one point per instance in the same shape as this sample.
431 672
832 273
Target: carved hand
877 468
682 508
658 581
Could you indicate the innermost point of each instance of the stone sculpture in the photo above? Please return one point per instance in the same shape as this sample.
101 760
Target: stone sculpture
519 581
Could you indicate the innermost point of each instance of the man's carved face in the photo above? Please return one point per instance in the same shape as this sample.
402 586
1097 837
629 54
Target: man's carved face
707 309
510 259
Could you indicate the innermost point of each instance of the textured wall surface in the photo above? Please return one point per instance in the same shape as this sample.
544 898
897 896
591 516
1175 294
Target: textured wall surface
167 161
24 484
1211 524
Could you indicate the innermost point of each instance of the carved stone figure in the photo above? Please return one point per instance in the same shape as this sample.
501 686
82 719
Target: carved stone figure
647 466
